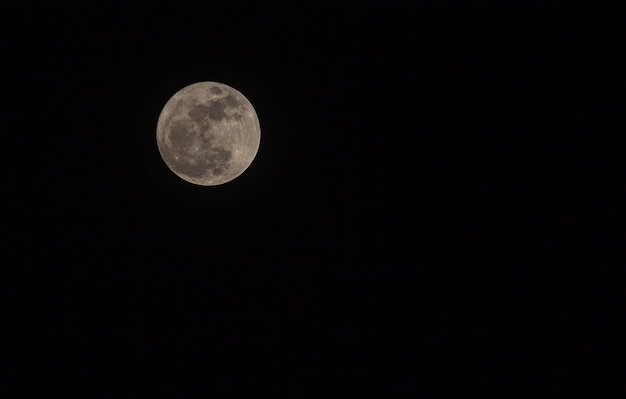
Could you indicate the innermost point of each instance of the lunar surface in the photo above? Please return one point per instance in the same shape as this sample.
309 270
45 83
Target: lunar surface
208 133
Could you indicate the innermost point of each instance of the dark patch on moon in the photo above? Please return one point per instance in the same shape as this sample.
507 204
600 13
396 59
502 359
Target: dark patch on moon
220 155
216 90
216 110
181 134
218 159
231 101
198 113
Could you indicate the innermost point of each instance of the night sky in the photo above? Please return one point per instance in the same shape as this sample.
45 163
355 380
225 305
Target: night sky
437 203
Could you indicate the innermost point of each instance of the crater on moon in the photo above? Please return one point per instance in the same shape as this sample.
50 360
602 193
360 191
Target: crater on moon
208 133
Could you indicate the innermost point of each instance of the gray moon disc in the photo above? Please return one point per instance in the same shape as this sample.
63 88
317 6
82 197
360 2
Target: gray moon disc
208 133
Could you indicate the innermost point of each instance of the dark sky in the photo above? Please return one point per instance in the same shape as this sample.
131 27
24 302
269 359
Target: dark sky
437 202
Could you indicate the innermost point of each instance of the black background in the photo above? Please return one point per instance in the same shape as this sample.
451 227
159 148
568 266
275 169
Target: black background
437 203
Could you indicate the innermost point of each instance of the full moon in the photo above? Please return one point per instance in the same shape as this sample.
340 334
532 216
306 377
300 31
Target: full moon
208 133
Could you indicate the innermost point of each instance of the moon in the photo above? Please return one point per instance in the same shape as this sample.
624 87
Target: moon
208 133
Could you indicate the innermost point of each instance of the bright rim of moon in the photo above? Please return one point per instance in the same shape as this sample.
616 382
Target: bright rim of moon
208 133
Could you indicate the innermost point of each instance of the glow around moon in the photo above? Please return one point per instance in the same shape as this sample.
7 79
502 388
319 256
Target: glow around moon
208 133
